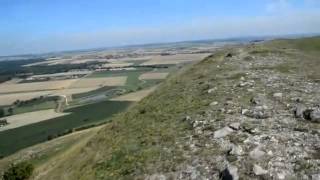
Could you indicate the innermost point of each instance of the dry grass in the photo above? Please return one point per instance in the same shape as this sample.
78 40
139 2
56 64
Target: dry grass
152 75
19 120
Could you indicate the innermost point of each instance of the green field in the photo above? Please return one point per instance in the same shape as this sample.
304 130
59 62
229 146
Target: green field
22 137
94 92
35 107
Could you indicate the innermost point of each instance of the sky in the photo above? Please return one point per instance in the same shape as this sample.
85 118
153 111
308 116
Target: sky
38 26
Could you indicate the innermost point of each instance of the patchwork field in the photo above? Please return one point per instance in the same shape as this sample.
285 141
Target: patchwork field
19 120
9 93
153 75
175 59
13 140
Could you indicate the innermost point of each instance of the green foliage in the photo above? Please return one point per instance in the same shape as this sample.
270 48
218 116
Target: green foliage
2 112
20 171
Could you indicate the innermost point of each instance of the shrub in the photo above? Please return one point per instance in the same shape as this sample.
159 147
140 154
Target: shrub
20 171
2 112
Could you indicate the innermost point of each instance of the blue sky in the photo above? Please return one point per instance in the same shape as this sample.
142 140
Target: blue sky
36 26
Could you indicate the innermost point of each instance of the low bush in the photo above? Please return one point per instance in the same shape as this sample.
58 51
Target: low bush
20 171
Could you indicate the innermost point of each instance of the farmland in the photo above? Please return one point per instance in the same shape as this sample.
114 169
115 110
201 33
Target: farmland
21 137
49 97
24 119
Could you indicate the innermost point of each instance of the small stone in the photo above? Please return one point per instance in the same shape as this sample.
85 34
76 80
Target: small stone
258 100
277 95
229 111
258 170
312 115
257 154
234 172
214 103
236 150
210 91
315 177
242 78
235 126
298 111
230 173
222 132
244 111
187 118
315 115
281 175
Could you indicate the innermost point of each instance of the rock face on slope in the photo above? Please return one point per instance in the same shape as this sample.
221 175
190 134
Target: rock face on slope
268 122
249 112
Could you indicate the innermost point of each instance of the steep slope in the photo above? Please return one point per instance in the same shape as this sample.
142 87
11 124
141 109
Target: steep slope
248 111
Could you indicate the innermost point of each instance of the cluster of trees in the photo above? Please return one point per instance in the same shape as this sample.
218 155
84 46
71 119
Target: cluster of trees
2 112
20 171
6 112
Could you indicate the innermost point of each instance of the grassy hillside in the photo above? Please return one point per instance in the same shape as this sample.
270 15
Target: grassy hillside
170 133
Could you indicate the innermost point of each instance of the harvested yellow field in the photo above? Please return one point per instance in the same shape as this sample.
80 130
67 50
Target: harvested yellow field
24 119
116 65
99 82
175 59
8 99
73 91
135 96
151 75
36 86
